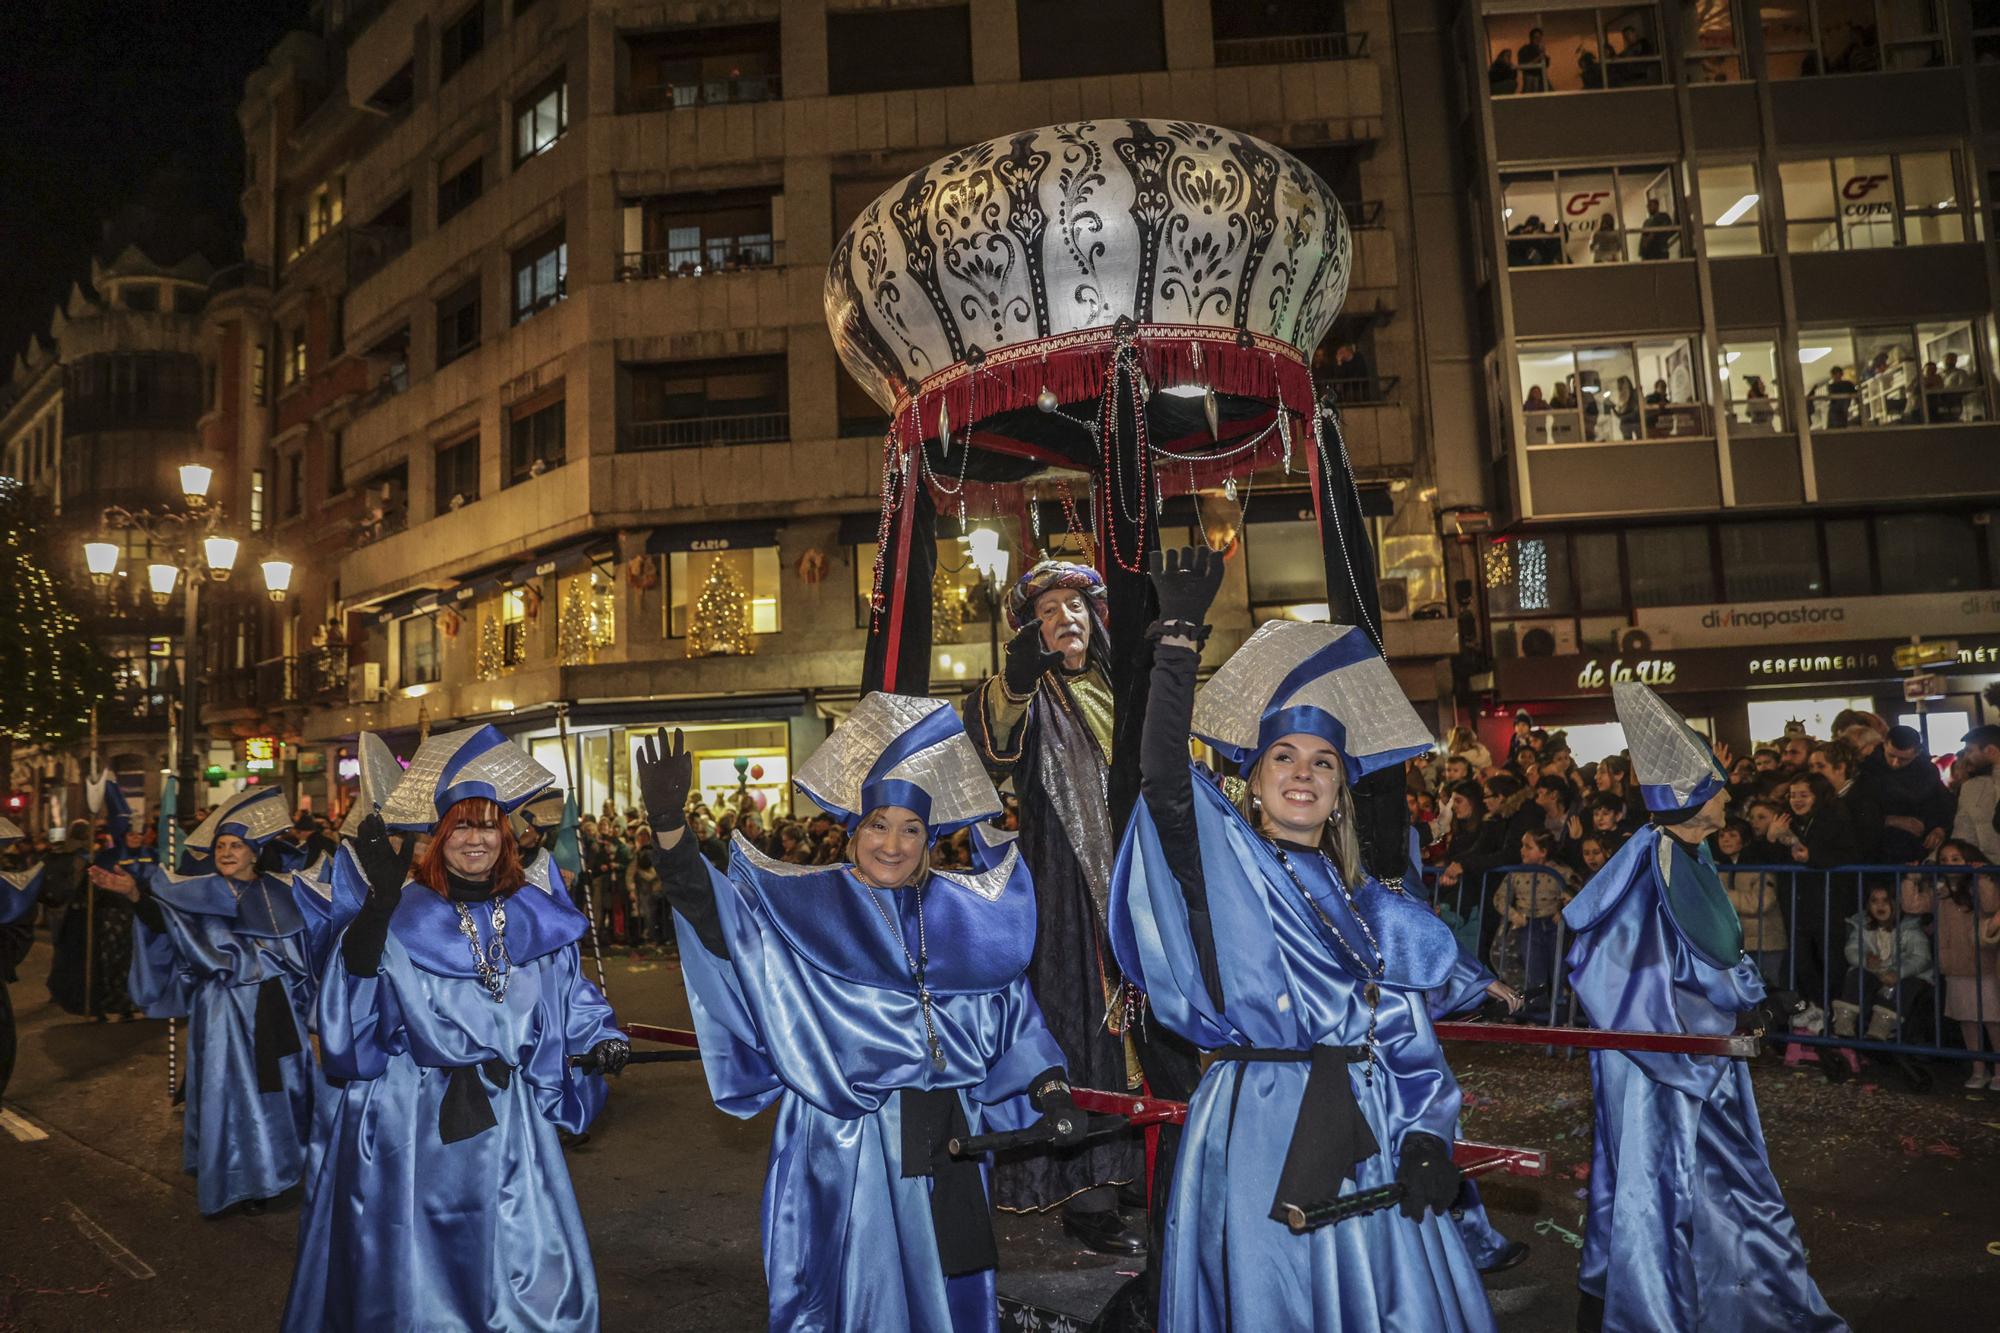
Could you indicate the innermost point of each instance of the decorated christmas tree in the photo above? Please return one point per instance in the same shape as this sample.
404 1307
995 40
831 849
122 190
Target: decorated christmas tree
947 606
721 622
50 674
487 663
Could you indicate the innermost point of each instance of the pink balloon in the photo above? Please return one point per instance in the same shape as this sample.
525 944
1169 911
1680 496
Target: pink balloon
762 799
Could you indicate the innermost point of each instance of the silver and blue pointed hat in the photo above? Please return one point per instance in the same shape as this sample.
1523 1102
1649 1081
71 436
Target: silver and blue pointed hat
542 813
1676 769
381 771
896 749
256 815
9 831
1324 680
477 763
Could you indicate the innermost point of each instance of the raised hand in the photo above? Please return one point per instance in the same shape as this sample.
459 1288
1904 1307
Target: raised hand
1186 581
666 775
1028 657
382 865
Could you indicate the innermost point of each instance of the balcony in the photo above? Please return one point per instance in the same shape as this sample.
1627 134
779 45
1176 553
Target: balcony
1290 49
691 67
694 432
725 254
729 91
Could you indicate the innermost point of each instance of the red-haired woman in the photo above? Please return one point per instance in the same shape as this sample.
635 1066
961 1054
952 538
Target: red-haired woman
451 1010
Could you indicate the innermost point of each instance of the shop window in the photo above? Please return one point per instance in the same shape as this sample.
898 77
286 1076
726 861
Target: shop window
541 273
1768 718
1918 553
458 323
682 405
1669 566
883 51
1593 215
1894 375
1529 576
419 658
708 66
1731 209
503 634
1611 392
535 443
1871 202
1060 39
1286 570
1711 50
1752 390
540 117
958 597
687 236
1771 559
1806 38
585 617
462 40
458 474
752 572
1573 49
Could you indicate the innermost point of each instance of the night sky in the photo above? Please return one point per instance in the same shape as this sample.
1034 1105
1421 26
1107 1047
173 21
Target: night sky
120 111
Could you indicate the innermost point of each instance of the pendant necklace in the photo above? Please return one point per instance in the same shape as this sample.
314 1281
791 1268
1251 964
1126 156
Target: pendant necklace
491 963
1372 992
917 967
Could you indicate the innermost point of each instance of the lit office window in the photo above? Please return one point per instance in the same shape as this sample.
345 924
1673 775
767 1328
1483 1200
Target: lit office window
1807 38
540 118
1614 392
1593 215
1561 49
1894 375
1732 212
1866 203
1753 392
1711 50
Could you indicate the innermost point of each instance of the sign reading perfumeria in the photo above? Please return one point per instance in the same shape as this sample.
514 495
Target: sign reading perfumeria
1937 615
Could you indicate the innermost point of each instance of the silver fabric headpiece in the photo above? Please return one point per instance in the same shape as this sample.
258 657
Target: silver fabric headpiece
461 765
9 831
256 815
1675 767
898 743
380 772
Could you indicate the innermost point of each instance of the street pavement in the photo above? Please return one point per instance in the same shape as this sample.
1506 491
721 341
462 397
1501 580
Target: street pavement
99 1231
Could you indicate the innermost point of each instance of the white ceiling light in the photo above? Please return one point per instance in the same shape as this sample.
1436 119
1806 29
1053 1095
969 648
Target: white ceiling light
1737 210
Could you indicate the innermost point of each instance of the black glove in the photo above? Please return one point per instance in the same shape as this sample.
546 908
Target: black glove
385 869
1429 1179
608 1057
666 775
1777 1010
1027 658
1186 581
1059 1114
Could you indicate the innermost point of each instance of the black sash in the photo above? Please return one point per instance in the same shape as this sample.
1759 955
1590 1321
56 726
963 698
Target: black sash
1330 1136
932 1118
275 1034
466 1110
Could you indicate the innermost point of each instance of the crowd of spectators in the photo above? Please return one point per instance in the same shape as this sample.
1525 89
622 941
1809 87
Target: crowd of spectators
1512 837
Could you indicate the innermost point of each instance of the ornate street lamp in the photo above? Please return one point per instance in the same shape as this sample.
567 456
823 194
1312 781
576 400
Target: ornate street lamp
162 577
102 559
221 555
195 481
277 578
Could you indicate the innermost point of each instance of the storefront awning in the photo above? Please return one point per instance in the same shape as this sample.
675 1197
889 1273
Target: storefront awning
712 537
471 588
571 559
408 604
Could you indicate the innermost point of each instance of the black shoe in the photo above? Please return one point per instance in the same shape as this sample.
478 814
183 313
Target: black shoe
1133 1196
1103 1232
255 1207
1513 1256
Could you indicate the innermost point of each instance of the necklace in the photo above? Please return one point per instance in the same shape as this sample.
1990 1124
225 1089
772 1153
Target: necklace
917 967
491 963
1370 993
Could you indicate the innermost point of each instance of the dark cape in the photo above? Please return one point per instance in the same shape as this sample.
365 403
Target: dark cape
1059 772
105 927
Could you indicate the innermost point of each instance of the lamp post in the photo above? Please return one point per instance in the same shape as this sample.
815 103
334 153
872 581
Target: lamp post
189 549
991 559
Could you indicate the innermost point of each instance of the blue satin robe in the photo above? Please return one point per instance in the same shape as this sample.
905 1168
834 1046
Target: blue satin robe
207 966
1687 1227
483 1233
815 1010
1465 989
1287 984
18 891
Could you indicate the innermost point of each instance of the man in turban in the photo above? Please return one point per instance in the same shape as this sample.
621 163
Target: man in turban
1045 722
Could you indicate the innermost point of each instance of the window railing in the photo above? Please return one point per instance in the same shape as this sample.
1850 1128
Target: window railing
704 92
278 681
1895 405
1360 390
1286 50
694 432
1607 425
713 255
326 672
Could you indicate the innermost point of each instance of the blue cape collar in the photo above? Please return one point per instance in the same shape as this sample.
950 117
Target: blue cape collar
214 895
538 924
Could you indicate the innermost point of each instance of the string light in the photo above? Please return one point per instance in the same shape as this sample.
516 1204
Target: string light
1531 580
1499 564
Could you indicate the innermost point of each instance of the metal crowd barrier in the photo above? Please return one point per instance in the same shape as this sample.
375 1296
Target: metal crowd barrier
1528 958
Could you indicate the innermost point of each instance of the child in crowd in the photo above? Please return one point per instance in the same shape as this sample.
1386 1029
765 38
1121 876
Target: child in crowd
1530 900
1968 948
1889 969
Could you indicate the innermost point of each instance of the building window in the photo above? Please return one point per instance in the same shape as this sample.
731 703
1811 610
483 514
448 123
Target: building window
1866 203
1711 50
257 500
541 273
1594 215
295 355
1573 50
1529 575
1060 39
690 574
540 118
295 485
535 443
1286 571
1732 214
686 236
586 617
458 323
457 474
511 611
1986 32
1894 375
1926 552
143 297
883 51
260 373
462 40
1270 32
1804 38
336 462
1752 390
1612 392
1770 560
703 67
456 192
688 404
1670 566
418 656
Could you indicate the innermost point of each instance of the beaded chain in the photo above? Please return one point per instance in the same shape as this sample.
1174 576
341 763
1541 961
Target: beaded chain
917 967
1372 992
490 963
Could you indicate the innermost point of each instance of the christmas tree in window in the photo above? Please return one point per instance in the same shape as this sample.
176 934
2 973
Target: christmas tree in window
720 625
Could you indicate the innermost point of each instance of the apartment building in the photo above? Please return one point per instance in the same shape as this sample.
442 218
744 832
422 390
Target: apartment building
1736 266
528 356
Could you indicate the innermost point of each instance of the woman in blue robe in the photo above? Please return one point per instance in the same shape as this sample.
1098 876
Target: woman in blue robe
226 950
1266 945
1470 987
451 1012
884 1008
18 891
1687 1227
